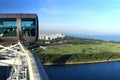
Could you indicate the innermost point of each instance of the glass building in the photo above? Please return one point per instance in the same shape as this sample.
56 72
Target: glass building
22 27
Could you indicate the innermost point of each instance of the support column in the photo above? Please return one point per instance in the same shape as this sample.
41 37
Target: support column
19 33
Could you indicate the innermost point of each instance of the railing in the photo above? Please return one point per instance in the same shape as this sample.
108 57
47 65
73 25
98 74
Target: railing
39 73
40 69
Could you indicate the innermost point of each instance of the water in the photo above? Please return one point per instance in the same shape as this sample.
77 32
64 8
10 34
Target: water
4 72
99 37
100 71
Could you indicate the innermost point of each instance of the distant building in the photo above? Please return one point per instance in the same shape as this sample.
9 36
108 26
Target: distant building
50 36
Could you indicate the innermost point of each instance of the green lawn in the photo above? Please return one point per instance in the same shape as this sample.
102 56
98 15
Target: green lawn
81 48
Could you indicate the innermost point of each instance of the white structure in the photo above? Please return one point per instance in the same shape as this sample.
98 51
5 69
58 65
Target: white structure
50 36
23 62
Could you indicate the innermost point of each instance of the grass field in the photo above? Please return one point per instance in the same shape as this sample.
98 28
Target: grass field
80 53
81 48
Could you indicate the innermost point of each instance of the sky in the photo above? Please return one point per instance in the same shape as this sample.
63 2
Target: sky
91 17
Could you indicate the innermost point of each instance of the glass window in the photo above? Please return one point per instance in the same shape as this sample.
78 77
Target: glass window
9 23
8 27
28 27
27 23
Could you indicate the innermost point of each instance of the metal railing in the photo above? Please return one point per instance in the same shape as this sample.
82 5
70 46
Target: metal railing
38 70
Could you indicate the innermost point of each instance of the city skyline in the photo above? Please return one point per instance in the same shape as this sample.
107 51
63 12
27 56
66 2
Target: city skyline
70 16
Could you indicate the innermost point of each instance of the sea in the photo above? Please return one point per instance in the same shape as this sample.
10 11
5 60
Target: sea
5 71
115 38
97 71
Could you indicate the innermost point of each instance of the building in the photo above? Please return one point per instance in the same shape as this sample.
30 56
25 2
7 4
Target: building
50 36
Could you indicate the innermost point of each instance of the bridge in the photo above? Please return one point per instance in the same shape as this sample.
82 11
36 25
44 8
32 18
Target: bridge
25 65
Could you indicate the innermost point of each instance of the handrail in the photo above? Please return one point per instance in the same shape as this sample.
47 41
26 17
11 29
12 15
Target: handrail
39 73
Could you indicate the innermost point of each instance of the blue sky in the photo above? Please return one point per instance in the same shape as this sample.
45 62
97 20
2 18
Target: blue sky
70 16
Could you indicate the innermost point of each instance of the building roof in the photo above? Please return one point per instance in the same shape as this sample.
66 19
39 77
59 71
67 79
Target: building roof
21 15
